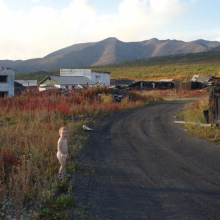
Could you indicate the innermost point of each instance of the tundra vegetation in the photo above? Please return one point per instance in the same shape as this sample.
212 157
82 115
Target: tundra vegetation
29 188
178 67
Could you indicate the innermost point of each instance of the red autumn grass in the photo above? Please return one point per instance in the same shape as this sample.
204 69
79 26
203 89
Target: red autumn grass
28 137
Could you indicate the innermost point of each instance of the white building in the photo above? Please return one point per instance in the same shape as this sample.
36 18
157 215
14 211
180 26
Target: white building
64 82
102 77
6 82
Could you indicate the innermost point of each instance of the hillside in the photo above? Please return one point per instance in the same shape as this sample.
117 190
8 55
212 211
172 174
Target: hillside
172 66
178 67
108 51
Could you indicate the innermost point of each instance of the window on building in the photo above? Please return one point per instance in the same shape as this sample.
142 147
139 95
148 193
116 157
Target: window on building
3 78
97 78
3 94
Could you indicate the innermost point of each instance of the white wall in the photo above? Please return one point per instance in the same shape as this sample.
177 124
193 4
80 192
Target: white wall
76 72
9 85
97 76
45 87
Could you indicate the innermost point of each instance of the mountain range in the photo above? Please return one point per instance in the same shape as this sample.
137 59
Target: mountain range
109 51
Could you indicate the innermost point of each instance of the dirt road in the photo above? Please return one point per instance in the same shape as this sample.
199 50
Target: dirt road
144 166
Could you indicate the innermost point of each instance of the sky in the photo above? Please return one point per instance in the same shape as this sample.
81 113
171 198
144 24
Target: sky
34 28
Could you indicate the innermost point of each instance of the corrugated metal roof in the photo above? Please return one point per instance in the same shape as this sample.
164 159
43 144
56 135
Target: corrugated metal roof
27 82
201 78
72 80
6 68
166 80
101 72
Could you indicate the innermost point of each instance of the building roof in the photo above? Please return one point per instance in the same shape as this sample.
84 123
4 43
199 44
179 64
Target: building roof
101 72
201 78
27 82
122 81
166 80
70 80
19 85
6 68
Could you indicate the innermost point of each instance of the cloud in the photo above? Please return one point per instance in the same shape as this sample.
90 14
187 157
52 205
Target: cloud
136 19
44 29
35 0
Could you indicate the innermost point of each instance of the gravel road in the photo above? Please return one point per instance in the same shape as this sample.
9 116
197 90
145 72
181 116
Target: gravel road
141 165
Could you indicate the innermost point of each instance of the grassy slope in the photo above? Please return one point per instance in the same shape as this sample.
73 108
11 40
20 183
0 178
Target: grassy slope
173 66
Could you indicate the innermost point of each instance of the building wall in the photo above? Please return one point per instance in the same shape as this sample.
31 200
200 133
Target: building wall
7 86
97 76
47 87
76 72
49 81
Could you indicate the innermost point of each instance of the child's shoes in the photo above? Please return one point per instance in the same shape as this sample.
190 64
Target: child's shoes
67 175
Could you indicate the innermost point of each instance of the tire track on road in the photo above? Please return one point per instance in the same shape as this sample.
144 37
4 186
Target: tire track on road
147 167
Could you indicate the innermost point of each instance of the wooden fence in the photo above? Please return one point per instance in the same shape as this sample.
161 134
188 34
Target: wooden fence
179 86
214 105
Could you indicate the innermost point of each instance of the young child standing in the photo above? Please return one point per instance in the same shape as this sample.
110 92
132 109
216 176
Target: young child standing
62 151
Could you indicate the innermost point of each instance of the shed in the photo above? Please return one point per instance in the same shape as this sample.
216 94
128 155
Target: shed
121 82
204 80
149 85
63 82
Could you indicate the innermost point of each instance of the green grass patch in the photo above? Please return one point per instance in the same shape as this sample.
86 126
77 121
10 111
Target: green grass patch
57 208
194 113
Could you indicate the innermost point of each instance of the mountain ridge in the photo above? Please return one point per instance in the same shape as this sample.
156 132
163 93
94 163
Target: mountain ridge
108 51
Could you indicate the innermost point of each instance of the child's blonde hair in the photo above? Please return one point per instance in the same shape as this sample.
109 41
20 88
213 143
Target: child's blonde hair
62 129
